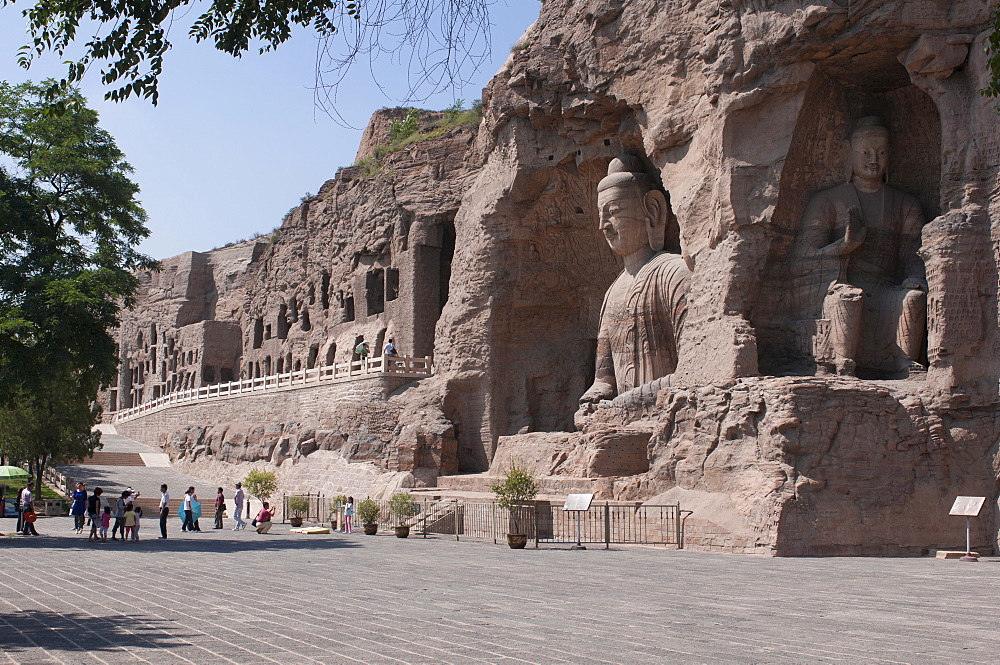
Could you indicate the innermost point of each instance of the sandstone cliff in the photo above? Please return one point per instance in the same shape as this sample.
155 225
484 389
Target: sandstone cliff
742 110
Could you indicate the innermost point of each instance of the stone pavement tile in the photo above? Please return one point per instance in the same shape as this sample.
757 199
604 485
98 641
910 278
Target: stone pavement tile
236 597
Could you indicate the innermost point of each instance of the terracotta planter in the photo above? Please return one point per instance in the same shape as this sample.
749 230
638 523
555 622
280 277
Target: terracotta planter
296 522
402 531
371 529
517 541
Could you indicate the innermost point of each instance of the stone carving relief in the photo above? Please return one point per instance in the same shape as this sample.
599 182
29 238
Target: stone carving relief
643 312
856 274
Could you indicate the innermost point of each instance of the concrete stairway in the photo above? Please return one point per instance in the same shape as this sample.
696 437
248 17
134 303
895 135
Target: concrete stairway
101 458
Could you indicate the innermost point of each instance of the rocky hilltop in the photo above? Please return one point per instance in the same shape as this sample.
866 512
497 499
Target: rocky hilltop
481 245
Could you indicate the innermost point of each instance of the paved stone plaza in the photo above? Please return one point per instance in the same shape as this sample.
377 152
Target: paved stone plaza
225 597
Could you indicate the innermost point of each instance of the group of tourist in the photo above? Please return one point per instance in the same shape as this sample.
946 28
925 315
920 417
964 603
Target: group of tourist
123 517
364 350
191 511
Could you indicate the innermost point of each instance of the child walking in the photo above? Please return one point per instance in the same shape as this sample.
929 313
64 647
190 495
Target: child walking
348 514
105 523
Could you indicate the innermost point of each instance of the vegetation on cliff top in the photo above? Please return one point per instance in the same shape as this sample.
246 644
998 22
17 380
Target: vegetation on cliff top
409 130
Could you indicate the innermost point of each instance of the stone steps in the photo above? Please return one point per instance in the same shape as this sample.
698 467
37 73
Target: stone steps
101 458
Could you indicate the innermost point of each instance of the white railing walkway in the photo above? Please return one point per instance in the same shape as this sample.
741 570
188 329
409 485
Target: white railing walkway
399 366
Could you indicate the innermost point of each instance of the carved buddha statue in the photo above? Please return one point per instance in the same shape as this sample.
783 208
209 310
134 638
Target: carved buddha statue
856 269
643 311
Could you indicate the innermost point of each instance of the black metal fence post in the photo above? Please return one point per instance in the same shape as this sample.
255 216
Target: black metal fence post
607 525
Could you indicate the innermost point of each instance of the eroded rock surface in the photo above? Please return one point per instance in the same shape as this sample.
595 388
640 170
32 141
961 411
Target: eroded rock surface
742 111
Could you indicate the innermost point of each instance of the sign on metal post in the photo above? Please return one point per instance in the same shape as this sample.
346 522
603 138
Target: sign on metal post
968 507
578 503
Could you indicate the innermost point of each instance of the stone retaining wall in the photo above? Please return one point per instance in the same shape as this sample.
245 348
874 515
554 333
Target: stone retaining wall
318 402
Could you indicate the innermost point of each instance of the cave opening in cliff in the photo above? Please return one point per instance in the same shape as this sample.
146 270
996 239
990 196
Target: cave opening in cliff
444 265
391 283
282 321
324 290
375 291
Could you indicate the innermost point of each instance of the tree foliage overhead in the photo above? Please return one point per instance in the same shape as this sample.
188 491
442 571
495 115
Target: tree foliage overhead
69 223
437 39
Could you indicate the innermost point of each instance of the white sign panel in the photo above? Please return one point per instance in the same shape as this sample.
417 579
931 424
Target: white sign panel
968 506
578 502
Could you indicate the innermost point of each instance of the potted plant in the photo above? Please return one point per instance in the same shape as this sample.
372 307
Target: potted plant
401 507
515 490
337 504
297 506
368 512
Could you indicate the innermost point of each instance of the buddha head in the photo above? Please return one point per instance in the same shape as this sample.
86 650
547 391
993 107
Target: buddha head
632 213
869 150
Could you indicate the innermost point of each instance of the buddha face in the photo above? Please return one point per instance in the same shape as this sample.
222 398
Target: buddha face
623 219
870 155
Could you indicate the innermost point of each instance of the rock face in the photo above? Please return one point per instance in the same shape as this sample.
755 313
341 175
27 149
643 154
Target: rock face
743 111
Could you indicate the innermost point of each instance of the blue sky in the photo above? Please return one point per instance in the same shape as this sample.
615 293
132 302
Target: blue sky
233 144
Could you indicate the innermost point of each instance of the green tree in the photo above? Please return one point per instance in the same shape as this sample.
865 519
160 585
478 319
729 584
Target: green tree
436 38
53 425
69 223
261 484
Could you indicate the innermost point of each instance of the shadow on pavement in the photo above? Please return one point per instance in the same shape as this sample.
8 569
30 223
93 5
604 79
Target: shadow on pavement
30 629
204 543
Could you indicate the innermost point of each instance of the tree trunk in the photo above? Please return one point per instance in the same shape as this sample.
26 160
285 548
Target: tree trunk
39 470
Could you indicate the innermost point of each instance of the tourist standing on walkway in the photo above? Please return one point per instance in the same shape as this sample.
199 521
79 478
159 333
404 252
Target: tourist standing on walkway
164 510
264 518
119 526
188 509
238 499
100 504
20 505
220 507
79 509
348 514
28 510
94 513
362 350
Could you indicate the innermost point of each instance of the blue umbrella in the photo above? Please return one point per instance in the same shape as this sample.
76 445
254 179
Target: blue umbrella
195 511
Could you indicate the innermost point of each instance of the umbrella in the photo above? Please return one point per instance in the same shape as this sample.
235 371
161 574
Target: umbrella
13 472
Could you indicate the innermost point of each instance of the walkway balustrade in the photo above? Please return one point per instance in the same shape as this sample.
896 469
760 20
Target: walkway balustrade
391 366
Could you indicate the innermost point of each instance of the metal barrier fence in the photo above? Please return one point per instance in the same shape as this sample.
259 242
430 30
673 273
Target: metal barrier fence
543 522
406 366
548 523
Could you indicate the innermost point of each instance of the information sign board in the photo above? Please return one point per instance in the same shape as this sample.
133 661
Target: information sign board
578 502
968 506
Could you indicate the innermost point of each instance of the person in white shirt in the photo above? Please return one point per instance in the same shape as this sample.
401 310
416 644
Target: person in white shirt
28 506
238 500
164 510
188 510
